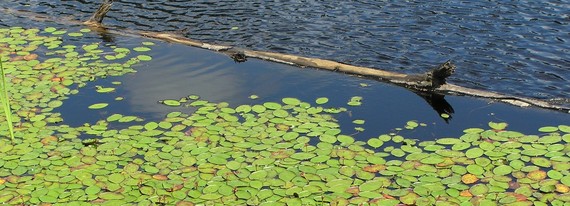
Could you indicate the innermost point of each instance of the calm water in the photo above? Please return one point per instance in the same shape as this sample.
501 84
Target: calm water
178 71
215 77
515 47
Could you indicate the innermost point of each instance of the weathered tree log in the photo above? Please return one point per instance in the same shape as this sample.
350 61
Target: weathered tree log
425 84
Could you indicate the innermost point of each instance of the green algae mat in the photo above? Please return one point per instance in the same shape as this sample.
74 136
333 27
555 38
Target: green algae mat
270 153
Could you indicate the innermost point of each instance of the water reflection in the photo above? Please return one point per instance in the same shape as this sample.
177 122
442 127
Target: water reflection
178 71
439 104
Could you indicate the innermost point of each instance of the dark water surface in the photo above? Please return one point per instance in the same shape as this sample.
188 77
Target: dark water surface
516 47
178 71
215 77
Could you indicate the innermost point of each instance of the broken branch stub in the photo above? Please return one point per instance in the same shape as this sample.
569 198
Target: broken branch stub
430 80
100 14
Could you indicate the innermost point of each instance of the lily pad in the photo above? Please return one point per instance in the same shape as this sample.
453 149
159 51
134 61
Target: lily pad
322 100
98 106
171 102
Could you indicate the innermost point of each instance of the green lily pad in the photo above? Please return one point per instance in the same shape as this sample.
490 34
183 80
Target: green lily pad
171 102
498 126
141 49
291 101
370 185
116 178
272 105
322 100
474 152
358 121
478 170
500 170
541 162
98 106
111 196
375 142
479 189
448 141
144 57
302 156
345 139
548 129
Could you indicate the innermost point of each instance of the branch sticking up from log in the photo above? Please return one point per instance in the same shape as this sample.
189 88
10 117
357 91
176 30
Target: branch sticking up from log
99 15
429 81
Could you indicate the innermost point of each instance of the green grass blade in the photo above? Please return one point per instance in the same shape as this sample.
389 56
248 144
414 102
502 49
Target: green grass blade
5 100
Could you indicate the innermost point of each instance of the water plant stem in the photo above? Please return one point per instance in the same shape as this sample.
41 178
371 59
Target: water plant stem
5 101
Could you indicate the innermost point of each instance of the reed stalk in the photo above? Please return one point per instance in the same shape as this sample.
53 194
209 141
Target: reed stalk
5 101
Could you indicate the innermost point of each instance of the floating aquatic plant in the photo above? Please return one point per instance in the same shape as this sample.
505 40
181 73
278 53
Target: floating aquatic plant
287 152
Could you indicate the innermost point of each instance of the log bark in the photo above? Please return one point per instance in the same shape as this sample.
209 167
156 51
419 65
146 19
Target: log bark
428 85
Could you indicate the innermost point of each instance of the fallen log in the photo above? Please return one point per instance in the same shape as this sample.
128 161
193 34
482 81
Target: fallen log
428 85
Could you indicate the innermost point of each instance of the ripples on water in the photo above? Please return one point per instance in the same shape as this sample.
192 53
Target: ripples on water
515 47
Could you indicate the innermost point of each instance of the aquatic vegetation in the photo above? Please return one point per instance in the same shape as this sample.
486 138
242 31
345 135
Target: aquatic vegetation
288 152
6 101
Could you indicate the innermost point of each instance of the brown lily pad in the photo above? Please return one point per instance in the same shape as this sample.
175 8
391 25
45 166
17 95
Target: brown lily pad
537 175
469 178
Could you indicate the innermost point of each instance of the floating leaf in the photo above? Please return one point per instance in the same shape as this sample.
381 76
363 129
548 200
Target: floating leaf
243 109
564 128
548 129
272 105
322 100
358 121
345 139
302 156
141 49
98 106
105 89
502 170
448 141
291 101
498 126
75 34
542 162
469 178
370 185
110 196
432 160
375 142
171 102
474 152
537 175
475 169
479 189
116 178
144 57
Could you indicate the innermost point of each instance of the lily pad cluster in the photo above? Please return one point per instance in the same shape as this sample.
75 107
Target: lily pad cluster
287 152
42 70
261 155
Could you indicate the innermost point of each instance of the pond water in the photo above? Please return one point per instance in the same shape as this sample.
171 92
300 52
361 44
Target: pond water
216 77
287 153
515 47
